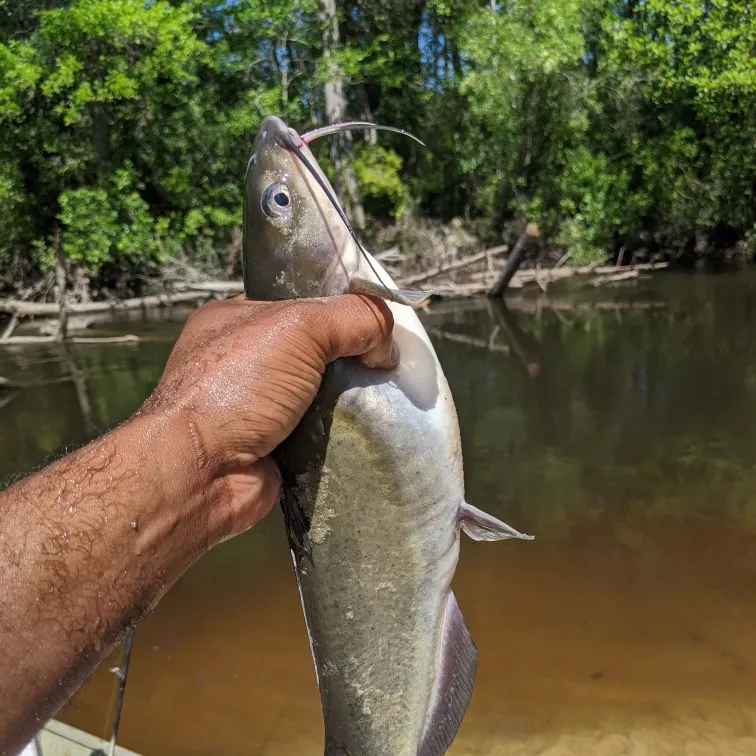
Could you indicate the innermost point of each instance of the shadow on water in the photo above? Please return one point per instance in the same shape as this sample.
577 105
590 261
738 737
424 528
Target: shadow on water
625 627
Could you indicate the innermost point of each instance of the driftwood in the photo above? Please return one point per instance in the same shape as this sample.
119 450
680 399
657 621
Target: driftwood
458 265
554 274
480 283
215 287
23 309
617 277
15 340
71 316
8 330
527 238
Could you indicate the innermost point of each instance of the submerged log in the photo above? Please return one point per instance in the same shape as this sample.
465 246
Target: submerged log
528 237
617 277
9 328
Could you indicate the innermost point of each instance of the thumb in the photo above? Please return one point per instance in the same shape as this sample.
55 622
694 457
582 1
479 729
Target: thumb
360 325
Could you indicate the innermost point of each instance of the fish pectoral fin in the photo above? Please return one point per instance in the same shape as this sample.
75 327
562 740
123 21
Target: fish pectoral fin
481 526
297 526
453 686
410 297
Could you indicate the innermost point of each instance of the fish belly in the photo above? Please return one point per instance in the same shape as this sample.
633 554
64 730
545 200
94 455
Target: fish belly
383 545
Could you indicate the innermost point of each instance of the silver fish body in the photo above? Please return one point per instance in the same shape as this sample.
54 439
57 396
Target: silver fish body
373 490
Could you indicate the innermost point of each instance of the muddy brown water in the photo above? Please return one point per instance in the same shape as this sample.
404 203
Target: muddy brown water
617 426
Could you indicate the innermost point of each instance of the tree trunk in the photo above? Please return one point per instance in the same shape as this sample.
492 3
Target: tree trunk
366 114
345 181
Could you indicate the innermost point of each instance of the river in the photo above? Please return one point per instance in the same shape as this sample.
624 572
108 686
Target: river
616 425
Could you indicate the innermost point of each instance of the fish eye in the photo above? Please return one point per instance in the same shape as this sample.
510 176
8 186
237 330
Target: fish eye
276 200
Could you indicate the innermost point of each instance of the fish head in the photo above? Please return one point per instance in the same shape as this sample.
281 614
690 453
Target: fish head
295 243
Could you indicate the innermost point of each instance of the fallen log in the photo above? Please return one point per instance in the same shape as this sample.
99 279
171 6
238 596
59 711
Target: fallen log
527 238
461 289
458 265
547 275
616 278
23 309
127 339
481 282
215 287
8 330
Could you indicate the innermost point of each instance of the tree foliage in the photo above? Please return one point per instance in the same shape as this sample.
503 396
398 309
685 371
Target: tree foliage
127 124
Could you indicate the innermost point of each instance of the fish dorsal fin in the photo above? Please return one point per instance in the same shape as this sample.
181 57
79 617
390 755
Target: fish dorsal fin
454 683
481 526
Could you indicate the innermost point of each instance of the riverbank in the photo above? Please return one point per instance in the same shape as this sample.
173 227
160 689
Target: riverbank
491 272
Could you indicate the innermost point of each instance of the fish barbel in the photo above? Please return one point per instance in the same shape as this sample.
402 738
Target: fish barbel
373 486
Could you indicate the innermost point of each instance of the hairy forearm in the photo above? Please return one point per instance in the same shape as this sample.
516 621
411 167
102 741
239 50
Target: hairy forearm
84 553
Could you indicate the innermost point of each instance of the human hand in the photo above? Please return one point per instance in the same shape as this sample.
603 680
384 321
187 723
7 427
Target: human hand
240 378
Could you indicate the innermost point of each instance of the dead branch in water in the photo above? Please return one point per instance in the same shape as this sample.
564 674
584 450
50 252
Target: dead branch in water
215 287
127 339
481 282
8 331
458 265
554 274
72 316
616 278
44 309
527 238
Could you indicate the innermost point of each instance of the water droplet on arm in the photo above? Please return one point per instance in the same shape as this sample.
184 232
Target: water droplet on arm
134 525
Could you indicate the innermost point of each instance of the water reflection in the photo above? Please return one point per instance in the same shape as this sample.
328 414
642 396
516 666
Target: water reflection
618 428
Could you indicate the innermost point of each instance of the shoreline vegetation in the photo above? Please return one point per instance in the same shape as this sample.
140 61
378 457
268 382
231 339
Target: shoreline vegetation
56 313
624 131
